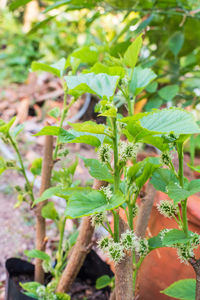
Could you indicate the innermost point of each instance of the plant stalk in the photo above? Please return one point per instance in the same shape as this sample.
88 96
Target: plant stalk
181 181
15 146
47 166
80 250
196 266
124 272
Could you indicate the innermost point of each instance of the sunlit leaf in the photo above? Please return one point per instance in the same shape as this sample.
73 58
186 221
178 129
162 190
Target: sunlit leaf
182 289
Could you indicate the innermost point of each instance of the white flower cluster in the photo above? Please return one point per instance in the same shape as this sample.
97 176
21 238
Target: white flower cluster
115 252
185 252
127 151
98 219
129 242
142 247
167 208
104 154
107 191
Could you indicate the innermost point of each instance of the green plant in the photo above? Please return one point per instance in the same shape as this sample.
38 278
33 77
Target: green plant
167 130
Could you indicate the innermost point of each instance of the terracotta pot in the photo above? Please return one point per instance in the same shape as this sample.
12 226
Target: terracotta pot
162 266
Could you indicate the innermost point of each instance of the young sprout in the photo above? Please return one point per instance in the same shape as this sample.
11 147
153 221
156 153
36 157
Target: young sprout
167 208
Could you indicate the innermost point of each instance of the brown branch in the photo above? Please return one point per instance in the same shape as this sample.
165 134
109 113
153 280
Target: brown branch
124 272
196 266
145 211
47 166
80 250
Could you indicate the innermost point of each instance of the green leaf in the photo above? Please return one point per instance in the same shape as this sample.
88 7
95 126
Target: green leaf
88 126
86 54
154 102
101 84
177 193
112 71
143 170
47 194
103 281
61 296
81 204
140 79
182 289
111 112
49 130
161 178
152 87
168 92
56 5
60 192
2 165
98 170
17 3
131 54
171 120
155 242
87 139
55 112
49 211
176 42
194 168
5 127
37 254
36 166
56 69
17 129
64 136
175 236
31 287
